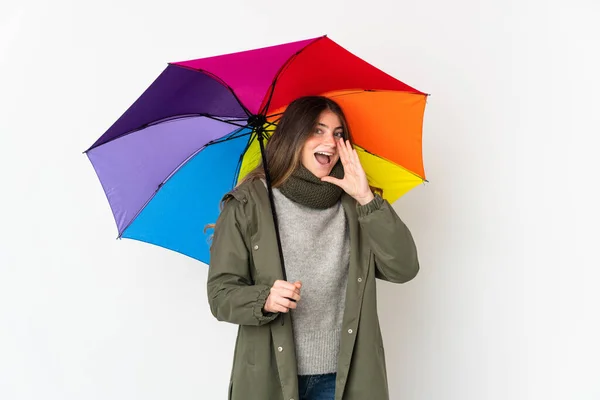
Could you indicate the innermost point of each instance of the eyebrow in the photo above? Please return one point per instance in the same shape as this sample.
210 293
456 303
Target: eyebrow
325 126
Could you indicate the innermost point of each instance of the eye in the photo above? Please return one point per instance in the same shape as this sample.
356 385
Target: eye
339 134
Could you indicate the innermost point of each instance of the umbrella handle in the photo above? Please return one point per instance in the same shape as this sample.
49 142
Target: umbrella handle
261 137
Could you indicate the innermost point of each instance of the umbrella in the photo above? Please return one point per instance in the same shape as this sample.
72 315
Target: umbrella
199 128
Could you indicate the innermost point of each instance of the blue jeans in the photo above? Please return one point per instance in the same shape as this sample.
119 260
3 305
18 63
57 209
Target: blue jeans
317 387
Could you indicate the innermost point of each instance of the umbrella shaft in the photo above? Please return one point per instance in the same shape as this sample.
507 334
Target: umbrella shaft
261 138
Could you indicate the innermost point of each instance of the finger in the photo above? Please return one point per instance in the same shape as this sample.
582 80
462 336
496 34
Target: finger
342 151
293 295
347 152
344 146
349 147
353 155
278 308
357 162
335 181
349 158
286 303
288 294
298 284
279 284
291 305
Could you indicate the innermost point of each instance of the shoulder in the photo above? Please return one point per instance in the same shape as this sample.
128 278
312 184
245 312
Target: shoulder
245 192
244 200
239 207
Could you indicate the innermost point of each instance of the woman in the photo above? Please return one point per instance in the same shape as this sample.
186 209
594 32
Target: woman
315 335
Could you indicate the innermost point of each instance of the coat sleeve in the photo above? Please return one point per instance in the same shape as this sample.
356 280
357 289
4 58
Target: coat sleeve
232 295
390 241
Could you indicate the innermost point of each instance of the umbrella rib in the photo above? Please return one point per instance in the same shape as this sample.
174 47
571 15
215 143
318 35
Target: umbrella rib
175 117
278 74
252 135
173 172
172 118
273 123
275 115
228 138
359 91
391 162
238 168
221 81
226 121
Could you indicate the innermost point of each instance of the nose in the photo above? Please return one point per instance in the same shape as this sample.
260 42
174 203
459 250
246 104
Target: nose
329 140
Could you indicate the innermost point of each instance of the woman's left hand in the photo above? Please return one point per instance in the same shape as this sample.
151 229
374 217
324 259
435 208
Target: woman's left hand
355 181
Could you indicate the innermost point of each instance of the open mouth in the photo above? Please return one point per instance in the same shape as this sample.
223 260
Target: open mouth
323 158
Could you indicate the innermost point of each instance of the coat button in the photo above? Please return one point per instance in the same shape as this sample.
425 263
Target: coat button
359 279
280 349
255 247
350 331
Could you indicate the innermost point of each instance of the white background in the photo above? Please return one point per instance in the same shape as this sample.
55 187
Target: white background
506 303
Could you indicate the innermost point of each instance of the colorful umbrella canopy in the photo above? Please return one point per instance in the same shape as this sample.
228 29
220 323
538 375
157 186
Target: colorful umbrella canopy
187 140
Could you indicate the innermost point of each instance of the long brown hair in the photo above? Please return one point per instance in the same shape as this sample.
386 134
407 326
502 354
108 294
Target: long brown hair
297 124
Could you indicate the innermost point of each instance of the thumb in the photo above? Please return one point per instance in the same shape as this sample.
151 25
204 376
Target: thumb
298 284
332 180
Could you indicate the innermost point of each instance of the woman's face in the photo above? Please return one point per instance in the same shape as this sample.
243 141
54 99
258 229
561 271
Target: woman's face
320 151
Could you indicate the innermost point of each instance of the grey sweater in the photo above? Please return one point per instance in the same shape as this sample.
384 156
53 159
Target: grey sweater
316 250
